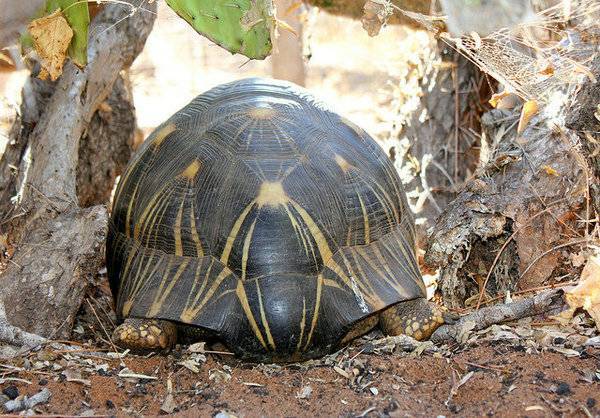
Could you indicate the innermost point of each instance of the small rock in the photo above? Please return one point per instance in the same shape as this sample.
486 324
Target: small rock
305 392
27 403
374 391
11 391
110 404
43 382
591 402
563 389
224 414
168 404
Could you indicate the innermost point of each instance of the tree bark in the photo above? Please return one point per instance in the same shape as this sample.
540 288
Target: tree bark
107 145
505 230
434 148
354 9
287 59
59 245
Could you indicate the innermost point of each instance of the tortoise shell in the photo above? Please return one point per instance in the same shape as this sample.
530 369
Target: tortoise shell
258 214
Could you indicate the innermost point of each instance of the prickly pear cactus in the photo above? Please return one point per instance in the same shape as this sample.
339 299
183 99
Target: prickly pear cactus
240 26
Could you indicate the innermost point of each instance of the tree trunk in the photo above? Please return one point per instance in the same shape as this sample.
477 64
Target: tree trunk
287 58
59 246
506 229
435 148
106 147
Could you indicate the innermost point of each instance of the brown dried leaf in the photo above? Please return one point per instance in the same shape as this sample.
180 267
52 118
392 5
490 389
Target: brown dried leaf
375 16
51 38
549 170
586 294
530 109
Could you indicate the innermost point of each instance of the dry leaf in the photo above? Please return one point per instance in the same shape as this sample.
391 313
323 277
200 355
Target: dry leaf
495 99
168 404
586 294
505 100
549 170
375 16
530 108
51 38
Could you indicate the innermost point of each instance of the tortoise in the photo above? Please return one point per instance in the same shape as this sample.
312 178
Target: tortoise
258 216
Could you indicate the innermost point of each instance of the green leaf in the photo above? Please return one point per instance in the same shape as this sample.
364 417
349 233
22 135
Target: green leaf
240 26
78 16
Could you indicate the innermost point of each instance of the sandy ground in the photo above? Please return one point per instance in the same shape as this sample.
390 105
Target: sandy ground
494 379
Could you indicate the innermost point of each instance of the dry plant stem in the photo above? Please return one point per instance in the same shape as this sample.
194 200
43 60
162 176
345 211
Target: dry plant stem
550 300
60 245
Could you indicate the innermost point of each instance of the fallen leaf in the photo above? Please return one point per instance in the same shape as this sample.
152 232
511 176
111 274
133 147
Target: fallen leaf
190 365
375 16
530 109
197 347
218 376
168 404
586 294
549 170
77 14
495 99
51 38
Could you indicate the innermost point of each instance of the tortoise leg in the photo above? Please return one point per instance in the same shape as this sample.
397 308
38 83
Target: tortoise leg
143 335
360 328
417 318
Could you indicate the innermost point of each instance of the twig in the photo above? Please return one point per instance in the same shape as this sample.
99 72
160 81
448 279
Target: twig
532 289
543 302
121 361
480 366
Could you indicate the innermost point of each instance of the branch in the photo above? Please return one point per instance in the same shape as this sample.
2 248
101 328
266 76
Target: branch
550 300
115 42
354 9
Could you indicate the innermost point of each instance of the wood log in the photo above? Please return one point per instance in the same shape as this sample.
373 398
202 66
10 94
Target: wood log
59 245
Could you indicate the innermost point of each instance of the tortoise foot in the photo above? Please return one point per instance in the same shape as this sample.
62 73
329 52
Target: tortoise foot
143 335
417 318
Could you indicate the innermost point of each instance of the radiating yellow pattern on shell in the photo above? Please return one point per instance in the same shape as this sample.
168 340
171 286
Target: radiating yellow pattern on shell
193 231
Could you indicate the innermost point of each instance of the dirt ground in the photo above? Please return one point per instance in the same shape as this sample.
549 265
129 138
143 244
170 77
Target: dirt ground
493 379
359 77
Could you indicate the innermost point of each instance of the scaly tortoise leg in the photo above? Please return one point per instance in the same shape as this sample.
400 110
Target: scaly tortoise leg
143 335
360 328
417 318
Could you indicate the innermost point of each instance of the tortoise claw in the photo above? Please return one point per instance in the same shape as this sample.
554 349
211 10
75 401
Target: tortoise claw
143 335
